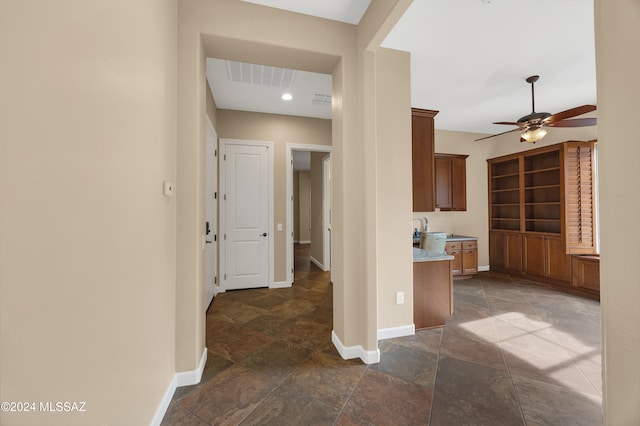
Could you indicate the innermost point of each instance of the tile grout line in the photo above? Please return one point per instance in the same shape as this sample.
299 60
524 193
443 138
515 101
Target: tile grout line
504 358
346 401
435 380
571 357
191 412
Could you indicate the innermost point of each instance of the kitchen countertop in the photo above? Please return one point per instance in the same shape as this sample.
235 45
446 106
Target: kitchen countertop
451 237
460 238
420 255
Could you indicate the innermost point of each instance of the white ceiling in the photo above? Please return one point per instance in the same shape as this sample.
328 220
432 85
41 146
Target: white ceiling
258 88
469 59
349 11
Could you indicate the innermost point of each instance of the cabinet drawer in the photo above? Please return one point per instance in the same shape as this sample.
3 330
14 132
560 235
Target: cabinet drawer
470 245
453 245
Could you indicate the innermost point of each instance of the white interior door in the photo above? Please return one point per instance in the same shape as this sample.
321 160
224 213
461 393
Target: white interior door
246 203
211 207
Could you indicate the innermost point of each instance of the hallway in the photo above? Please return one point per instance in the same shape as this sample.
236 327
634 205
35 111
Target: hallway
514 353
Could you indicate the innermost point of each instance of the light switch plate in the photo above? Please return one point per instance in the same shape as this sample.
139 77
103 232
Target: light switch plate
279 227
167 188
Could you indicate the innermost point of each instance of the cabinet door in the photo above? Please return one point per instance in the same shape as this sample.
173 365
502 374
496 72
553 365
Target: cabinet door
423 152
469 258
497 249
454 249
443 183
458 184
513 252
505 251
432 293
585 272
534 255
558 262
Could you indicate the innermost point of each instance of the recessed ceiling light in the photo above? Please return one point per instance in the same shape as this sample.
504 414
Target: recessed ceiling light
287 97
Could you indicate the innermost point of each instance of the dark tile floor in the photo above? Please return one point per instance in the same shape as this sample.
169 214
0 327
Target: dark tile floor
514 353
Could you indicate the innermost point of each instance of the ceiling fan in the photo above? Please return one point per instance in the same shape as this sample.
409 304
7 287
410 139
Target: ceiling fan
533 125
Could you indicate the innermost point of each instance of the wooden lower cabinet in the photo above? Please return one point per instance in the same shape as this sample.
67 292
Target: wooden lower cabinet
465 257
544 256
558 262
505 251
534 258
585 273
432 293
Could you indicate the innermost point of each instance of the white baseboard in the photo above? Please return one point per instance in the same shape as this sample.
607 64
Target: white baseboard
280 284
350 352
483 268
164 403
390 333
318 264
304 242
188 378
184 378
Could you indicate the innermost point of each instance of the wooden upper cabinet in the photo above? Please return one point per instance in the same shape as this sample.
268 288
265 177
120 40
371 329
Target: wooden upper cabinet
423 157
451 182
444 199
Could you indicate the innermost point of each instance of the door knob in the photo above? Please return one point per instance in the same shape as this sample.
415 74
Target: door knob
263 235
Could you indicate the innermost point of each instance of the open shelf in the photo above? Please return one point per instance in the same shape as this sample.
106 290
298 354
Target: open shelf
543 225
505 195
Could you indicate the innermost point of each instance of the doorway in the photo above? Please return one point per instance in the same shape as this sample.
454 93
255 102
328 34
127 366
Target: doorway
308 208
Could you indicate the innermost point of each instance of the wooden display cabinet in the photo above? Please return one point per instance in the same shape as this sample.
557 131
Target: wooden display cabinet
543 199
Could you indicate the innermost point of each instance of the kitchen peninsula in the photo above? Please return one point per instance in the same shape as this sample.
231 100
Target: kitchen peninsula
432 288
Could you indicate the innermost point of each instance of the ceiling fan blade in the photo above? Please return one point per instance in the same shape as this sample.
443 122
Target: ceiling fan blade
570 113
498 134
511 123
576 122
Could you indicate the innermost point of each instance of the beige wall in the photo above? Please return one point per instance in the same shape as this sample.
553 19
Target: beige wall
618 34
394 256
212 109
87 238
281 130
317 237
304 207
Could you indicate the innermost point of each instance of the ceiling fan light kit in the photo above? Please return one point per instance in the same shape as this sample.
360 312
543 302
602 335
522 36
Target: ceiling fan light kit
533 135
532 125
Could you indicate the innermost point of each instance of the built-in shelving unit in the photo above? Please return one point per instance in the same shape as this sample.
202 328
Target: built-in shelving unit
542 210
505 195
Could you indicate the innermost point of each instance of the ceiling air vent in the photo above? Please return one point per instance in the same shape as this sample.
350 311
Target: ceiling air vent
242 72
319 99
